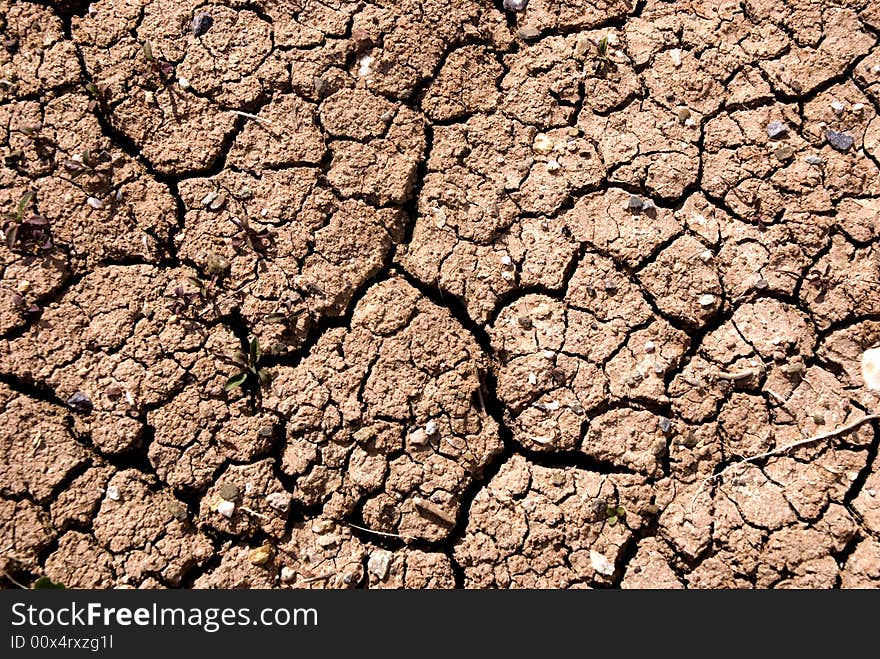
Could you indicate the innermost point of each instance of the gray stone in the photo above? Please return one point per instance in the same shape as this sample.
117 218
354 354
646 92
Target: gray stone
515 5
840 141
635 203
776 129
202 22
81 403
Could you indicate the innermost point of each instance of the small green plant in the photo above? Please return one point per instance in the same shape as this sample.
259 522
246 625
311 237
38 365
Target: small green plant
25 231
603 60
45 583
259 241
614 514
100 96
250 372
98 164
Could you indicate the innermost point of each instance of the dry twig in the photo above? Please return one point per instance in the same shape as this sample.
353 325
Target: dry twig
782 449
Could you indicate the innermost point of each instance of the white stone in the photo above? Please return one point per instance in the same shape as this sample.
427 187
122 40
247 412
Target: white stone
871 368
431 428
113 493
287 574
553 166
837 106
378 563
364 70
225 508
601 564
279 501
707 300
184 83
542 143
675 55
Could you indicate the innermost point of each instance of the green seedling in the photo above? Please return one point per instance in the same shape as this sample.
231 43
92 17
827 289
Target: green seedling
100 96
603 60
614 514
26 231
98 165
45 583
259 241
250 371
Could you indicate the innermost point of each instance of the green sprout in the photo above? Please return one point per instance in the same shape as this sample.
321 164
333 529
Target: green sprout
45 583
603 60
24 231
614 514
249 368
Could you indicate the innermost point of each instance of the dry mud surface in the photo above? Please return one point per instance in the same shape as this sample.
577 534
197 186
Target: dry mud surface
524 275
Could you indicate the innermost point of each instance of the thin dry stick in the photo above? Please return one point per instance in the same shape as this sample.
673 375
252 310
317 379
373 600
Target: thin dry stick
782 449
252 116
9 576
390 535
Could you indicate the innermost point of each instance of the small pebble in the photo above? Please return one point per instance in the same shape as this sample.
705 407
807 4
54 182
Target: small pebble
813 160
506 261
380 559
533 379
601 564
202 22
184 83
665 424
81 403
552 166
762 284
287 575
225 508
650 347
113 493
542 143
418 437
706 256
776 129
218 203
707 300
209 198
683 115
149 97
871 369
840 141
549 354
229 492
858 107
784 153
525 322
876 68
279 501
837 107
635 203
431 428
364 435
94 202
675 56
515 5
23 286
260 555
529 33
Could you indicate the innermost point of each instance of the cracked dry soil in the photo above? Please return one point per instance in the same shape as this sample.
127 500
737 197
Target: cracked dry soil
522 281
